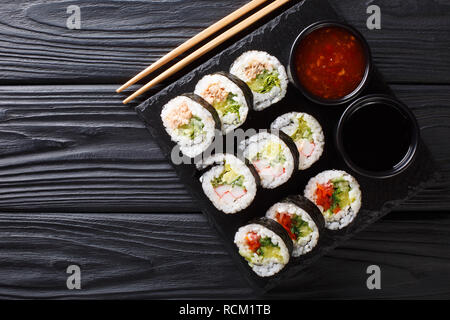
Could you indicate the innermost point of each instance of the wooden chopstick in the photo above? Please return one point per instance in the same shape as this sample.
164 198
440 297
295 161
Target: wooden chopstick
209 46
194 41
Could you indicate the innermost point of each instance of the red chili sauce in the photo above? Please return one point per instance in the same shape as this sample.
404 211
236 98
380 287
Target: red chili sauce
330 62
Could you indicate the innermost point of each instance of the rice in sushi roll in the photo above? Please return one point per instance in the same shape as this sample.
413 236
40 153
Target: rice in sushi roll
265 245
228 95
228 182
301 219
264 75
306 133
337 195
274 157
190 122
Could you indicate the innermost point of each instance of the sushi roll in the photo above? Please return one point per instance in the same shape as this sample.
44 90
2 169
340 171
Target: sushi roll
228 182
306 133
264 75
190 122
230 97
265 245
301 219
274 157
337 195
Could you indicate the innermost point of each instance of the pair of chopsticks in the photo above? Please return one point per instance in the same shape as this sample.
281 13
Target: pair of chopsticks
205 48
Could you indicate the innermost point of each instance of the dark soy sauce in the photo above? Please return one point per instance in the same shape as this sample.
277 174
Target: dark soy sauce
376 137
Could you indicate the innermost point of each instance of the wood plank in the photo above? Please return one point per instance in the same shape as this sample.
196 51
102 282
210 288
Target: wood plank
140 256
432 110
118 39
78 146
78 149
411 45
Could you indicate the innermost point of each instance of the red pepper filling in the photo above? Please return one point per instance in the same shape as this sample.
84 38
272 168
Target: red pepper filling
285 220
323 195
252 240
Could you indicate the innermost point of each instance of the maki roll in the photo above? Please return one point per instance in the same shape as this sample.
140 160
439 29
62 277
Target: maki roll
264 75
190 122
265 245
228 182
301 219
306 133
273 156
337 195
228 95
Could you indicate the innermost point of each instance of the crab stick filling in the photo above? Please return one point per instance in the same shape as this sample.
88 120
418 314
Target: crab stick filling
229 185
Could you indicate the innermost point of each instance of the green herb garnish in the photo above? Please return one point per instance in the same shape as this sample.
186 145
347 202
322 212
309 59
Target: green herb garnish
265 243
300 227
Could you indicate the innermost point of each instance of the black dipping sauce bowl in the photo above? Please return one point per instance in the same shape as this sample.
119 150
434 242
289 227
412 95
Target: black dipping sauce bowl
292 69
377 136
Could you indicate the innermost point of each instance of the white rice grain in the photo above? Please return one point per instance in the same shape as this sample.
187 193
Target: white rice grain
263 267
261 100
255 144
288 123
347 214
237 166
304 244
190 147
229 120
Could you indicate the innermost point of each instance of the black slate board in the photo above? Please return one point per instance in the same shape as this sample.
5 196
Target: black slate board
379 196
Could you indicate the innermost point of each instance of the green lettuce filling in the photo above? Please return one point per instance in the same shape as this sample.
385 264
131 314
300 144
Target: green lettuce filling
273 152
192 129
229 177
264 82
303 131
229 105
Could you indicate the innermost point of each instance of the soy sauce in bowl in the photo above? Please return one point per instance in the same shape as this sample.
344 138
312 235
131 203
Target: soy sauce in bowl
377 136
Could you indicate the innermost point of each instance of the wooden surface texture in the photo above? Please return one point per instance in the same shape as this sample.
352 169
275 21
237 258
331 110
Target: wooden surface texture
82 182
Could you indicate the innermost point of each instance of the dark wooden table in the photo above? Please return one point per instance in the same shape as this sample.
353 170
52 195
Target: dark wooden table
82 182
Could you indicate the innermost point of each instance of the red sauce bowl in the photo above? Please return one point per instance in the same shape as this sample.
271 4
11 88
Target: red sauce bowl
330 63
